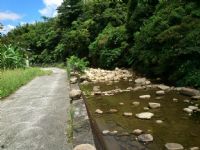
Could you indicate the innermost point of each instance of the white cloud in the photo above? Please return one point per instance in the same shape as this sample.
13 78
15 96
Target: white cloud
50 7
6 29
9 16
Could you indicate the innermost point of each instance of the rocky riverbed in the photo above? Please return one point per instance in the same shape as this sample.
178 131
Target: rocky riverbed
133 111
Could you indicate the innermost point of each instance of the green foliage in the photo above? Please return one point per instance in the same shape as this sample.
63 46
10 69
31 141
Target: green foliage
76 64
11 80
11 57
110 47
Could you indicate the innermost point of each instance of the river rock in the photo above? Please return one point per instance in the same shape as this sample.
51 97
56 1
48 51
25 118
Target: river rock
163 87
75 94
161 92
84 147
136 103
175 99
145 138
73 80
113 110
174 146
113 132
188 110
146 108
128 114
137 131
154 105
145 96
159 121
144 115
194 148
105 132
195 97
99 111
193 107
140 81
121 103
189 91
96 88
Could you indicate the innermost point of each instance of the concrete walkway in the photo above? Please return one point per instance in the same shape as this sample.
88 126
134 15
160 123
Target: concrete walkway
34 118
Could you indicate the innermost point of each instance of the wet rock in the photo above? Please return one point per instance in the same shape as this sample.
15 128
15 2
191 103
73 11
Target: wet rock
113 132
145 138
195 97
163 87
161 92
159 121
146 108
98 111
188 110
128 114
73 80
144 115
121 103
105 132
174 146
189 91
193 107
175 100
136 103
75 94
194 148
154 105
137 132
84 147
147 82
113 110
145 96
186 101
140 81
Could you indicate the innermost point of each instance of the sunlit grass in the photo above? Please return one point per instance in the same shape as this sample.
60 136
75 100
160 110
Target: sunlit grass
11 80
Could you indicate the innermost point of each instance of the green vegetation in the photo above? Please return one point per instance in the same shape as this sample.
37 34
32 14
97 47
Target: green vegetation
157 37
11 80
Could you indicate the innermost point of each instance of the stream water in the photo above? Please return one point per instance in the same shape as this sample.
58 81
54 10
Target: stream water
177 127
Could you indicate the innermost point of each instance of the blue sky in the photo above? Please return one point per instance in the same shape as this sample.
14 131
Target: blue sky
16 12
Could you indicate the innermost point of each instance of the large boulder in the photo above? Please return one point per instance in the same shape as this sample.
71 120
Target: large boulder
174 146
84 147
75 94
189 91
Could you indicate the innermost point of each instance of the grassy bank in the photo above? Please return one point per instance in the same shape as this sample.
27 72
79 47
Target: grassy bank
11 80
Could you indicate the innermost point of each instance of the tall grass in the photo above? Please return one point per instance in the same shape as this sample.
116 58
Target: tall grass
11 80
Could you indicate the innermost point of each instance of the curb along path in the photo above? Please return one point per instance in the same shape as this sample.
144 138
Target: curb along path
35 117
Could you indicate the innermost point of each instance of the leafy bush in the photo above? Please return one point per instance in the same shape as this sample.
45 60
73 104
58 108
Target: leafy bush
110 47
11 57
76 64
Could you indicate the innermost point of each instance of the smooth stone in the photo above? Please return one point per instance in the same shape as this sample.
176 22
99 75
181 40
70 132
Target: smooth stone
189 91
194 148
163 87
174 146
195 97
159 121
145 138
121 103
136 103
137 131
144 115
161 92
75 94
128 114
188 110
105 132
193 107
145 96
113 132
154 105
175 99
140 81
98 111
113 110
84 147
147 82
146 108
73 80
